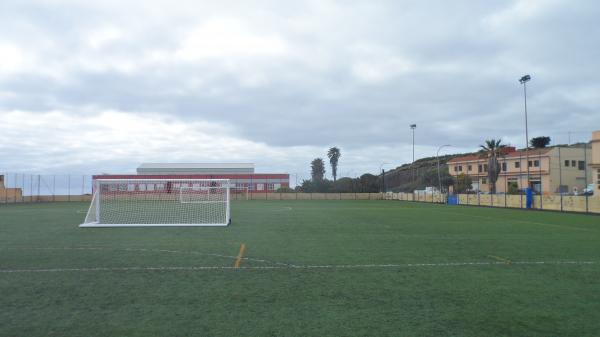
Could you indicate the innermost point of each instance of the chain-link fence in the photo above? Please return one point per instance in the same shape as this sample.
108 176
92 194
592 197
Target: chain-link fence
26 187
560 178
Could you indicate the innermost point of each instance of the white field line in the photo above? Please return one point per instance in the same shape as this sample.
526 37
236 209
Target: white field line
305 267
152 251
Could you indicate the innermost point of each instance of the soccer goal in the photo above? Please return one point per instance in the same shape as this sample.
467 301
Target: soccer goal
159 202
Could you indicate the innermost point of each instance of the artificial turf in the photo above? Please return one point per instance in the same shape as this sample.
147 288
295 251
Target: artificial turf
310 268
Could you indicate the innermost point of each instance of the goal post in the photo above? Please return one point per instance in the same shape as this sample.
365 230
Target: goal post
159 202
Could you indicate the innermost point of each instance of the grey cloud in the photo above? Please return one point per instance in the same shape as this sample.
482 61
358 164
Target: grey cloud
354 75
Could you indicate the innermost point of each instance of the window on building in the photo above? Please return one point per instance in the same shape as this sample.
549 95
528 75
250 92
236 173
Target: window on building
470 168
504 167
530 163
480 168
483 181
260 187
517 164
460 168
566 163
485 168
270 187
581 165
455 168
573 163
537 186
536 163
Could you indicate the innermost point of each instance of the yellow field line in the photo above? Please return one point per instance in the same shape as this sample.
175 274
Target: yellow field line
238 258
501 259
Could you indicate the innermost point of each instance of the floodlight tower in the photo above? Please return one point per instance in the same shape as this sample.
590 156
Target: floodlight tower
413 127
523 80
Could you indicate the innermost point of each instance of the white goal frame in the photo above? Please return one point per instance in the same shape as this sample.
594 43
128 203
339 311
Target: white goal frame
96 207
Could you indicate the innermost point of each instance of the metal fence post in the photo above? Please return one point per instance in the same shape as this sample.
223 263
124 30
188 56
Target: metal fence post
587 208
23 187
16 188
541 188
39 183
520 183
560 192
5 190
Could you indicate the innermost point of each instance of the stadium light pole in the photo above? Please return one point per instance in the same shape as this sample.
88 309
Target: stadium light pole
523 80
437 156
413 127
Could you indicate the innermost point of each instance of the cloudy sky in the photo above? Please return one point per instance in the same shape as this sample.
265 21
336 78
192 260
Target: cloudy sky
100 86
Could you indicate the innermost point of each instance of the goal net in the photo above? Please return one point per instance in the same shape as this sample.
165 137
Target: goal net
159 202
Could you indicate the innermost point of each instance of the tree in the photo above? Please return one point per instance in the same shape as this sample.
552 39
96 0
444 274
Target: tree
492 147
368 183
539 142
334 155
463 183
316 186
317 167
344 185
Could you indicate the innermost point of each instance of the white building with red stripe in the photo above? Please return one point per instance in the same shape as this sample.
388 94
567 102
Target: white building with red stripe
242 176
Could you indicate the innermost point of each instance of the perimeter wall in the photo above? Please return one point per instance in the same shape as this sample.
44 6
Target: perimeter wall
570 203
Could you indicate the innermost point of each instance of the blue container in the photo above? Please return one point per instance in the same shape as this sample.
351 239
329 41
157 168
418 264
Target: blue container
452 200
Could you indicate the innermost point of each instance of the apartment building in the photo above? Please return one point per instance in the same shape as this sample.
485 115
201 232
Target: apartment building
563 169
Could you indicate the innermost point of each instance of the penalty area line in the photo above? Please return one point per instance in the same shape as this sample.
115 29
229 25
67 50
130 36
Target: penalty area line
297 267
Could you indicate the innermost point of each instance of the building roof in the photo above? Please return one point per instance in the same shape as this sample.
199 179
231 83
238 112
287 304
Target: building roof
196 166
512 154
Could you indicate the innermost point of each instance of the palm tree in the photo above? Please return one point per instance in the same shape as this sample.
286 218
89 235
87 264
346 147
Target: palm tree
492 147
334 155
317 169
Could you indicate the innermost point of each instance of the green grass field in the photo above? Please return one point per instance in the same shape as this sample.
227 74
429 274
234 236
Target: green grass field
310 268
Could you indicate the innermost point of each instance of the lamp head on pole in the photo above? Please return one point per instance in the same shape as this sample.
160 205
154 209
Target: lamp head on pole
524 79
413 126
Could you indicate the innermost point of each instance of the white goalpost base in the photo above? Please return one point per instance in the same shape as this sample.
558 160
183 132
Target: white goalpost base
159 202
